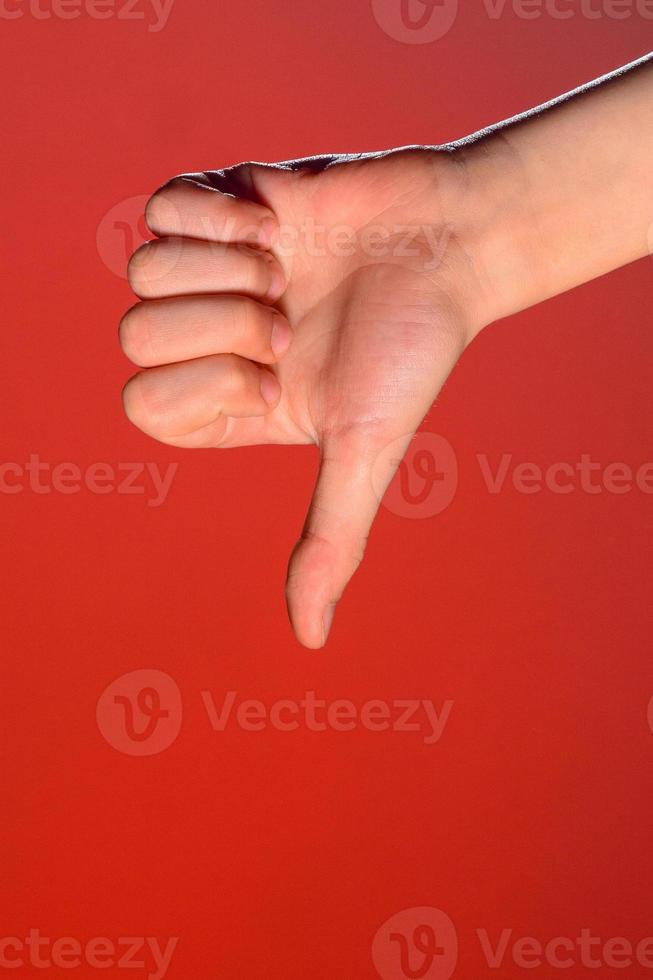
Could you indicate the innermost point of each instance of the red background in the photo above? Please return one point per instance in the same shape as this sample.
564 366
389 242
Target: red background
280 854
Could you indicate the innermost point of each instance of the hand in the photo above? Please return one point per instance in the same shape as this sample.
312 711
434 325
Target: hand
322 301
326 300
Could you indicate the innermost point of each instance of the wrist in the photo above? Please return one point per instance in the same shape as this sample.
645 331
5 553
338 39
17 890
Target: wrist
471 203
561 195
496 224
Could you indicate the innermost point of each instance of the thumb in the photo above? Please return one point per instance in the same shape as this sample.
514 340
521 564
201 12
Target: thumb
347 496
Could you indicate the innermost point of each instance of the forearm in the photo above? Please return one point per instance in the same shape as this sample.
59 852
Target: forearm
563 194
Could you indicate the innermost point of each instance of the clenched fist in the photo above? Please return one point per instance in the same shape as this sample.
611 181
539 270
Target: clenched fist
322 301
326 300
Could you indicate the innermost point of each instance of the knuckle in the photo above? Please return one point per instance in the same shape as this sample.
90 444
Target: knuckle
127 332
257 327
236 316
152 263
155 210
131 402
258 272
348 543
165 190
137 268
135 333
235 377
141 410
267 320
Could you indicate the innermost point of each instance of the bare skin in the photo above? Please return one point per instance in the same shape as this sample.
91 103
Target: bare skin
326 301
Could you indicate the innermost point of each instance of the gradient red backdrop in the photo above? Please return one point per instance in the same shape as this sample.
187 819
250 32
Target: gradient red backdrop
280 854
